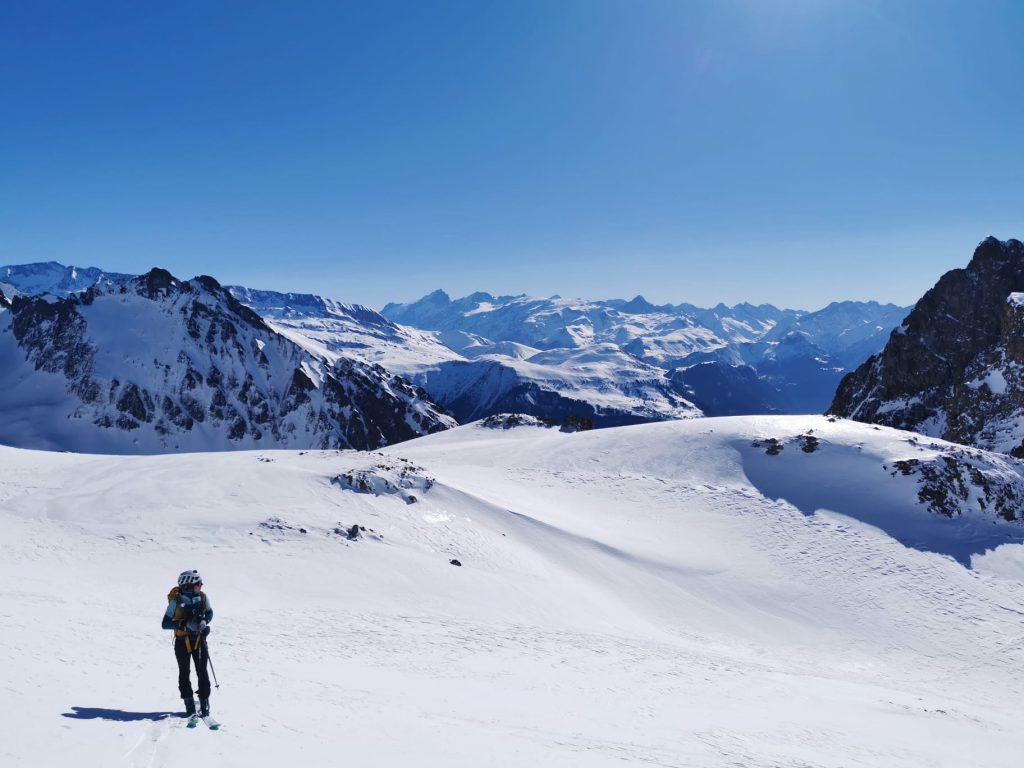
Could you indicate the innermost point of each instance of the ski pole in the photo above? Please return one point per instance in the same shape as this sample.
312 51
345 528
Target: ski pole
210 662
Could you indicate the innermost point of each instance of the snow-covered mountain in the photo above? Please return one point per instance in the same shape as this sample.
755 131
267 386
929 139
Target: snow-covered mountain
713 592
599 383
799 357
556 322
611 362
54 278
848 331
474 377
955 368
332 329
155 364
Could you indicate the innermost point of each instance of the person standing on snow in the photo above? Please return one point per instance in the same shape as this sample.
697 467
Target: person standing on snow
189 614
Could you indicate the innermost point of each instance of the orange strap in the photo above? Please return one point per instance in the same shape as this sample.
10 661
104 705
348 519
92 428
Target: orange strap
188 642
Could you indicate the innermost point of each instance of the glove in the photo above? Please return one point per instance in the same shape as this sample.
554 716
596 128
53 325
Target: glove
195 625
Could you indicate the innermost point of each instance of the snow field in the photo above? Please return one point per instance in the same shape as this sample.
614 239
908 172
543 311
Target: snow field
641 595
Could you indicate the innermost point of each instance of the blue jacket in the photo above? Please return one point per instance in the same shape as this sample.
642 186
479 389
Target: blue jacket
185 600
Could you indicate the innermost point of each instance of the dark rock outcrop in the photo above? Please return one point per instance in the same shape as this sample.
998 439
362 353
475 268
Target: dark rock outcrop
955 368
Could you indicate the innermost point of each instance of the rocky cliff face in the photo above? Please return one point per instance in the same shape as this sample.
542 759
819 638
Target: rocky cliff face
154 364
955 368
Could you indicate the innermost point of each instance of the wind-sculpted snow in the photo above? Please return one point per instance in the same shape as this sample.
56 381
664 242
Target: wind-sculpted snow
644 595
155 364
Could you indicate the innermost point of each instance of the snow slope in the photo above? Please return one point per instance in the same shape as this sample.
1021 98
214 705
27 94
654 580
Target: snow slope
638 595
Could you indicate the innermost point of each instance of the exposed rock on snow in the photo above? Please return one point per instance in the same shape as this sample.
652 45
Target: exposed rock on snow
957 479
513 420
394 477
274 529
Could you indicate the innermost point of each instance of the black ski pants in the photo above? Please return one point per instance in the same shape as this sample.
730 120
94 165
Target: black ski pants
198 656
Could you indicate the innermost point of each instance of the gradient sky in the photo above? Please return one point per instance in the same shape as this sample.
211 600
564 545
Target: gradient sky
785 151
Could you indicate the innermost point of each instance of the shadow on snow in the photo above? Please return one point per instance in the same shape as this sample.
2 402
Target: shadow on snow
849 487
117 715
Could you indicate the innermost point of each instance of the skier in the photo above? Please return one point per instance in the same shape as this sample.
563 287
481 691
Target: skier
189 614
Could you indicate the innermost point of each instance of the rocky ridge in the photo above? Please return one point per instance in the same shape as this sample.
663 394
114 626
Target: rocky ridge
154 364
955 368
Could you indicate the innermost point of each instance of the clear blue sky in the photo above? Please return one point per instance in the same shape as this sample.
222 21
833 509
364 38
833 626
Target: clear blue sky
783 151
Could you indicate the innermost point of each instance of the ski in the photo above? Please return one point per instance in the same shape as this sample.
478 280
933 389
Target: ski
212 724
193 721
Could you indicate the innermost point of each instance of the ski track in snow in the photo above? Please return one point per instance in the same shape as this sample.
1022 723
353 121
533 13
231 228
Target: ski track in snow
626 596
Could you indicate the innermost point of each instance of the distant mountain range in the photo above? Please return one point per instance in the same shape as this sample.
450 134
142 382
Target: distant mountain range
725 360
53 278
605 363
474 377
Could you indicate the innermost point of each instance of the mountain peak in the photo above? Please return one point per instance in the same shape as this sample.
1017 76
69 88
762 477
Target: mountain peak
220 377
436 297
993 250
209 283
638 305
155 283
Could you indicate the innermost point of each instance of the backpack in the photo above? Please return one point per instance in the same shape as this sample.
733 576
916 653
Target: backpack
179 614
